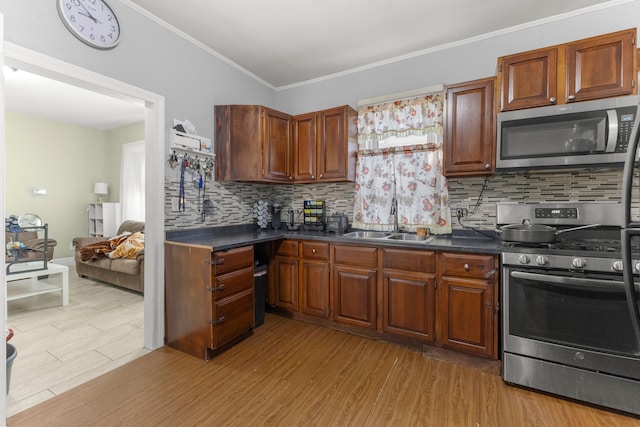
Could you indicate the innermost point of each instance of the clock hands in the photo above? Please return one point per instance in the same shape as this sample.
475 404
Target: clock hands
88 14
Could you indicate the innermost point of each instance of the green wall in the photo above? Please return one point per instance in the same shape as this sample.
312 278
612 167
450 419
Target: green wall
66 160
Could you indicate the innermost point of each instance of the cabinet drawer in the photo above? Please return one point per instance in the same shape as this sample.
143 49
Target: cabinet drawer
234 316
234 282
468 265
232 260
315 250
359 256
402 259
288 248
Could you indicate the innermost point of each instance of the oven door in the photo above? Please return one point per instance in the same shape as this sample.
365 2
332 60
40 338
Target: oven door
570 318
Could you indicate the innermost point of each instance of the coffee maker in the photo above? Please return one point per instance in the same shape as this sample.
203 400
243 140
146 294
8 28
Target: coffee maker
276 210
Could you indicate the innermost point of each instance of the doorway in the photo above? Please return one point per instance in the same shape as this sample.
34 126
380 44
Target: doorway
21 58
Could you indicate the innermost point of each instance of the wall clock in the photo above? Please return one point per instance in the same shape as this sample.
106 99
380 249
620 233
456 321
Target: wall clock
92 21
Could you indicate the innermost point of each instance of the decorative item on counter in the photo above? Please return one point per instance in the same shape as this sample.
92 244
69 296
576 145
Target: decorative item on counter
260 209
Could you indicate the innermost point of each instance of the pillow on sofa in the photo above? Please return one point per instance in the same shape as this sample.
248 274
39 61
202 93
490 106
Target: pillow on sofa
130 247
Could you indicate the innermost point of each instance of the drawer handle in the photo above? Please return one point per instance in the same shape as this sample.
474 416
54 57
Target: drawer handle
217 288
218 322
466 267
218 261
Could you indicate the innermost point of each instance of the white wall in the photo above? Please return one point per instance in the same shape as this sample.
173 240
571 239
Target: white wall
148 56
454 65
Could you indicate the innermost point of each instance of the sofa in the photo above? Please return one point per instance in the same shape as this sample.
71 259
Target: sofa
124 272
34 247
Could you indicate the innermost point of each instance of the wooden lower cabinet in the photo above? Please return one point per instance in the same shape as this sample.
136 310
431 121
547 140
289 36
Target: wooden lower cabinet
468 304
314 288
285 270
208 297
409 293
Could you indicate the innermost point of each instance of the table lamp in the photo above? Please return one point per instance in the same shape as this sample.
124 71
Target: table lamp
100 189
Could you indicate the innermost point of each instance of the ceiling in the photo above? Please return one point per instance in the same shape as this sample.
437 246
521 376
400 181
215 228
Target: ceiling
284 43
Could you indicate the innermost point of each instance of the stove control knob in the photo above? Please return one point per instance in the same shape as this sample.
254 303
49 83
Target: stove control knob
542 260
579 262
523 259
617 265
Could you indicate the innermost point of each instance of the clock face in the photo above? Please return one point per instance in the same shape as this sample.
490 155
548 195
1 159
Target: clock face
92 21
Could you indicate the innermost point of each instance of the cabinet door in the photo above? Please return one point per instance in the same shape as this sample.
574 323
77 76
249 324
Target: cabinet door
467 316
355 296
470 139
314 288
409 304
529 79
601 67
336 162
286 283
305 133
276 146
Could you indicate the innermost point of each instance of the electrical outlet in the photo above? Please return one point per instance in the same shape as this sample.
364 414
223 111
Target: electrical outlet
462 212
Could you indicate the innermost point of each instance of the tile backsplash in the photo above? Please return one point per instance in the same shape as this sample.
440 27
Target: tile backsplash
233 202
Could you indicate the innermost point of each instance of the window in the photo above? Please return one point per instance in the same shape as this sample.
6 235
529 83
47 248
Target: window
400 157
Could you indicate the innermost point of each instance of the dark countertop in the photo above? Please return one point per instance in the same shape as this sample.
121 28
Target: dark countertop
223 238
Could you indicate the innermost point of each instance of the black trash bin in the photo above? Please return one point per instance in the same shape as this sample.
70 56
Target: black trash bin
259 293
11 355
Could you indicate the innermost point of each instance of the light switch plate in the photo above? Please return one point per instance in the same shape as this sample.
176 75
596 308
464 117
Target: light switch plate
174 204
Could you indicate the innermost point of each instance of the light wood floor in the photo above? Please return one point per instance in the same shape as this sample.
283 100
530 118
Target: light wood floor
294 374
62 347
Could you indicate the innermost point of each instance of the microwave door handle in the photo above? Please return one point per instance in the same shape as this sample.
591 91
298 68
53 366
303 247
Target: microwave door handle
612 138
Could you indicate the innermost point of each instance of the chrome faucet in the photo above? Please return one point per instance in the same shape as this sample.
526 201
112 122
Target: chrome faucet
394 212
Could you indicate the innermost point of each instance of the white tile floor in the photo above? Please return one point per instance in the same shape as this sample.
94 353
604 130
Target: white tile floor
62 347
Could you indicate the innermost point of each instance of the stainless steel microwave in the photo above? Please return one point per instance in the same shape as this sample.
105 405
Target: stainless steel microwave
579 134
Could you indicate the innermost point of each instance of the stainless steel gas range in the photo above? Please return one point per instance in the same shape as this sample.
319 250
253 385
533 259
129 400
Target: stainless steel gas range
567 325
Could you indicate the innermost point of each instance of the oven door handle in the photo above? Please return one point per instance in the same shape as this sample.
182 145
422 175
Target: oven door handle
594 284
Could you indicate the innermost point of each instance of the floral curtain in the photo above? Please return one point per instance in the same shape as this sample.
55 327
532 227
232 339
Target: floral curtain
411 173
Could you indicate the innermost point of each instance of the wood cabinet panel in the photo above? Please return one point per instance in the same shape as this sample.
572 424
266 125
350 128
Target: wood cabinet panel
314 288
359 256
232 283
277 149
409 260
409 304
468 265
529 79
470 136
467 315
315 250
287 247
286 283
234 316
601 66
355 296
232 260
305 137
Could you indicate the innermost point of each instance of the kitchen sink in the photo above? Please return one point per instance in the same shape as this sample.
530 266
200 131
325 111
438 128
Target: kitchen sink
409 237
367 234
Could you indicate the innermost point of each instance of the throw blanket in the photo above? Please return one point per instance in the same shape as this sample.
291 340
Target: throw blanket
129 248
93 251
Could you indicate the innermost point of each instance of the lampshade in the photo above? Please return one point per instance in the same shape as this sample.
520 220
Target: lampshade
100 188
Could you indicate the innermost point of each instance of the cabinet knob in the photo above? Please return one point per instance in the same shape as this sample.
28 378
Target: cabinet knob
321 175
571 97
487 166
313 251
313 177
466 267
552 100
290 178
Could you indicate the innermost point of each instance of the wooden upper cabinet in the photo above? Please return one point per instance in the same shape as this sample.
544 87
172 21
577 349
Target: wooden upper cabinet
601 66
597 67
529 79
470 138
325 145
253 144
